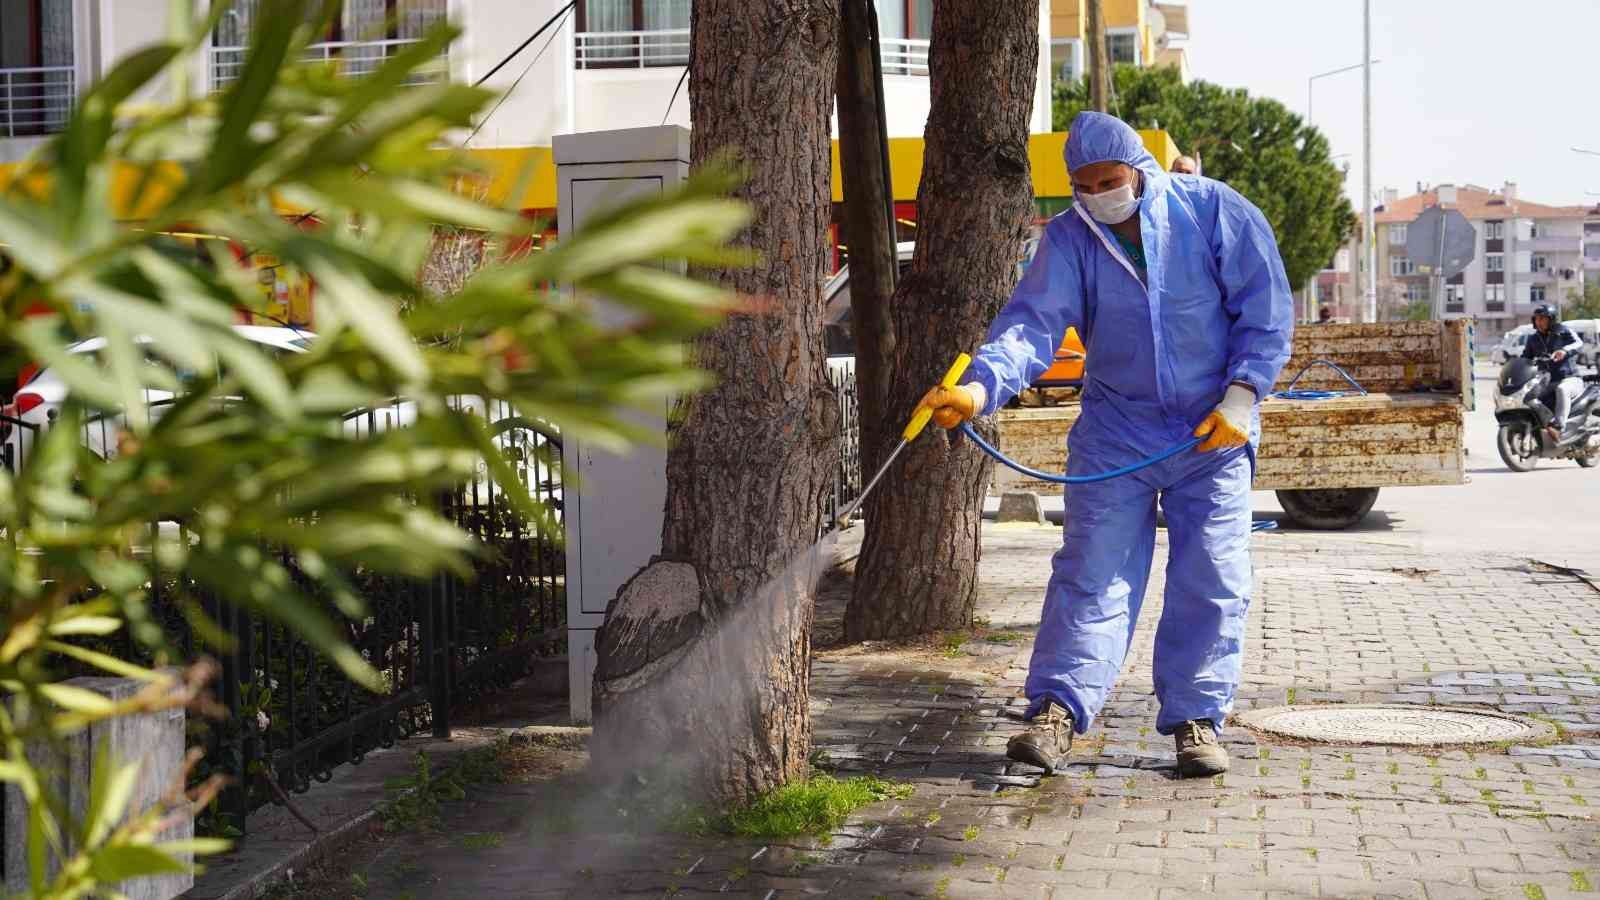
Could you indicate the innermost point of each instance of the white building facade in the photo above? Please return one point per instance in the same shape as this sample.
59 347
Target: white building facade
1526 253
605 64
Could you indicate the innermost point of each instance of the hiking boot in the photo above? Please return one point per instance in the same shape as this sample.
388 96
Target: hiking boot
1047 741
1199 754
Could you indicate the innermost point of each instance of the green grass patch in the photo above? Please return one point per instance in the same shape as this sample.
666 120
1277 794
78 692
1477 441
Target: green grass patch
1533 892
1581 883
970 833
488 841
814 806
1291 696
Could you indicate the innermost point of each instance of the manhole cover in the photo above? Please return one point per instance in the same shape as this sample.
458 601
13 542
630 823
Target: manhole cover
1407 726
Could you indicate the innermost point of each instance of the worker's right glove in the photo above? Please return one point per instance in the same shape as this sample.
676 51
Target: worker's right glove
953 405
1229 424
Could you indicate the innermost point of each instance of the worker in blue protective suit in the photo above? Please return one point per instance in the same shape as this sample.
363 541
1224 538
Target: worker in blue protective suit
1176 286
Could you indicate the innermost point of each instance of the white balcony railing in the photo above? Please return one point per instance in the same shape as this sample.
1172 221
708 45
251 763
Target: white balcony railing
904 56
670 47
36 100
632 49
354 58
1557 243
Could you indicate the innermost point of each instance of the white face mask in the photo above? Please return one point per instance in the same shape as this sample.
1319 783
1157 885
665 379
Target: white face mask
1111 207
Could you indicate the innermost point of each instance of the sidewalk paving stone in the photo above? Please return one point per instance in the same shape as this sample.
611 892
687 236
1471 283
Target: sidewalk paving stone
1335 619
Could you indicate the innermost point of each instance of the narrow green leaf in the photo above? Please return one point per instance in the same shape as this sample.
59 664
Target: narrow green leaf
124 861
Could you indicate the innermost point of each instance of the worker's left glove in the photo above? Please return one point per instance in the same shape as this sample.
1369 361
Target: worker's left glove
1229 424
953 405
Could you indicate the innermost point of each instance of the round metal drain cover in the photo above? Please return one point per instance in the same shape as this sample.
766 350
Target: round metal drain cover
1405 726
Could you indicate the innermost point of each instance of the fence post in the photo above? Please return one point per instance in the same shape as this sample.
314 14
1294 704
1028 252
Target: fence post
437 645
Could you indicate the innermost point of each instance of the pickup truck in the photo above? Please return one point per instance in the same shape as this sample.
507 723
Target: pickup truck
1326 459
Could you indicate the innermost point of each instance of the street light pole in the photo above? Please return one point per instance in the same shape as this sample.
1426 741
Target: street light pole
1366 162
1310 289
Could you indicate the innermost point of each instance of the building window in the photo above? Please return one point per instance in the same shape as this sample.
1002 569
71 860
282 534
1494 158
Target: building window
1534 230
1494 262
1123 46
1415 292
1538 263
360 38
1494 230
1401 265
1536 294
36 65
1494 293
1065 59
1397 234
610 33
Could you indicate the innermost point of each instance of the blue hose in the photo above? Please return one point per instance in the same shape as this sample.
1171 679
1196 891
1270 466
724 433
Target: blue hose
985 446
1287 393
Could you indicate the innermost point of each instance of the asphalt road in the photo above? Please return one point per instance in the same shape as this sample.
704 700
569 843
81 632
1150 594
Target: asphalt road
1551 514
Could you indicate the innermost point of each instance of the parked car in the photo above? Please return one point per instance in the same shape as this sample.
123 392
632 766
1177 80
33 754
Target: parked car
38 402
1511 345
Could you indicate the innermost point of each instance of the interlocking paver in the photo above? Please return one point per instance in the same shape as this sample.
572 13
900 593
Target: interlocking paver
1389 625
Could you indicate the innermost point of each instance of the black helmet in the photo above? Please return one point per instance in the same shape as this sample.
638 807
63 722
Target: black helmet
1546 310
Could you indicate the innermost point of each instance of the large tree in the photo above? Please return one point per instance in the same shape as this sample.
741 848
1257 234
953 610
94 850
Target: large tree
704 659
918 566
1256 145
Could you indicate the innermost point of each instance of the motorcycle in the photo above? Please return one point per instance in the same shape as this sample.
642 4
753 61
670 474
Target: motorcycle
1524 405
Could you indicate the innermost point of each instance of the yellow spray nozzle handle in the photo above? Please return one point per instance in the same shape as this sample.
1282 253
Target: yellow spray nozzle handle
919 419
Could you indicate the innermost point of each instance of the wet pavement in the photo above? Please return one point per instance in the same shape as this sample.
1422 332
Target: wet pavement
1335 619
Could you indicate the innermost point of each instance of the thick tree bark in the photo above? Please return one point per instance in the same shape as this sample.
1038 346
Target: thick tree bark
868 232
918 567
705 656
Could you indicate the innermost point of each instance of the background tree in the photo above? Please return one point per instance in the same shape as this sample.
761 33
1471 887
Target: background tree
1256 145
706 654
1584 304
918 566
251 457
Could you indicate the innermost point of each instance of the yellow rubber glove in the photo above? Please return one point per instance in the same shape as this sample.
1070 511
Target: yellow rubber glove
952 406
1229 424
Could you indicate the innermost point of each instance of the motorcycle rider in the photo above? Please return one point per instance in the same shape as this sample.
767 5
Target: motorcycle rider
1555 340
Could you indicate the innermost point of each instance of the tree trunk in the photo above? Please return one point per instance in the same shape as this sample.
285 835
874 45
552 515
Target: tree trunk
1099 58
868 232
918 567
705 655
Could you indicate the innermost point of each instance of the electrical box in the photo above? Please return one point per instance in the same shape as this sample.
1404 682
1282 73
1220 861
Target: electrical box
612 504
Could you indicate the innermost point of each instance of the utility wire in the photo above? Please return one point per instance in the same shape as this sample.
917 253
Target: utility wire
508 91
524 45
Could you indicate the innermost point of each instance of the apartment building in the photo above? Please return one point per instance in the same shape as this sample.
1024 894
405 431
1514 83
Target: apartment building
1138 32
1527 253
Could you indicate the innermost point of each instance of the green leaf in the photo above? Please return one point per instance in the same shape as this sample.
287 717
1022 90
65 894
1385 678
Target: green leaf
76 699
85 625
110 789
236 150
195 846
102 661
121 862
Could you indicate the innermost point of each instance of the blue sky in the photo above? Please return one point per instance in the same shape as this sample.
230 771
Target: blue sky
1467 91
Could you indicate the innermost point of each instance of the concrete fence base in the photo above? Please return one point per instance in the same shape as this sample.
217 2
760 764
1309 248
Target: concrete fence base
155 740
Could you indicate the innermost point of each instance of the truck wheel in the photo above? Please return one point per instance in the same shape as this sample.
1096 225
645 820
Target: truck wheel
1330 509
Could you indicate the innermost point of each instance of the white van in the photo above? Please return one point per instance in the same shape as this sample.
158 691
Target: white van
1511 345
1589 331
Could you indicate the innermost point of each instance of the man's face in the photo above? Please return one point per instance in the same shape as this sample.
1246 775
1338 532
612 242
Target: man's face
1097 178
1183 165
1542 323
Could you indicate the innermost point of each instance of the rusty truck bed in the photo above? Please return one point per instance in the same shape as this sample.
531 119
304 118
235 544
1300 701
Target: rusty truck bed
1407 431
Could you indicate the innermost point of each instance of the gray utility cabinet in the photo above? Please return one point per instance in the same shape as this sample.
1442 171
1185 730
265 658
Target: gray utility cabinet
613 503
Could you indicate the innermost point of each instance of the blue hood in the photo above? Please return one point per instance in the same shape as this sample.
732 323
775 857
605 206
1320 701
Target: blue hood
1097 137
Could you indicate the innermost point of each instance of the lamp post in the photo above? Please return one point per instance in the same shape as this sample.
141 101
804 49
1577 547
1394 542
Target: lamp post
1366 162
1310 301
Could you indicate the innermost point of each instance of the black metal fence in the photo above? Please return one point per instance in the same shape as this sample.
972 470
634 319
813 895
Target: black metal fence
438 644
847 475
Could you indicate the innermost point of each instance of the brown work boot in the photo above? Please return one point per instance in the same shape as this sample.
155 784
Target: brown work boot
1047 741
1199 754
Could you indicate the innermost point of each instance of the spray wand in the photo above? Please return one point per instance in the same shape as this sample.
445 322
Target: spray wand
919 421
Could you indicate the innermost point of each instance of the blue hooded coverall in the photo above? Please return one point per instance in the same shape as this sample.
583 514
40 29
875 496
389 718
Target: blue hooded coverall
1213 308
